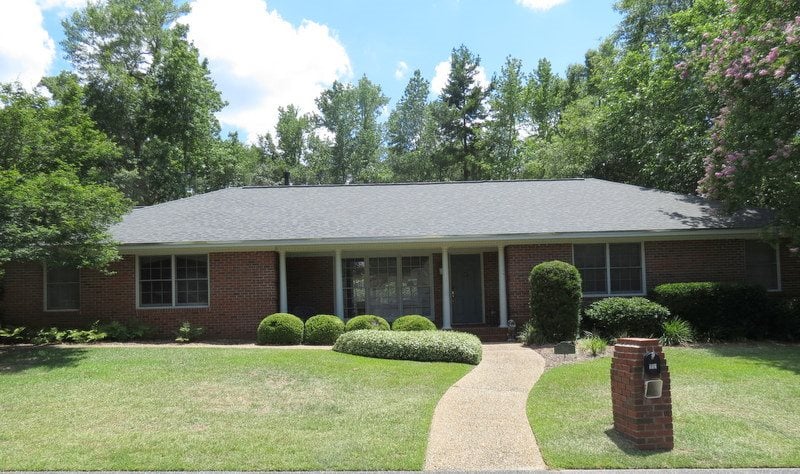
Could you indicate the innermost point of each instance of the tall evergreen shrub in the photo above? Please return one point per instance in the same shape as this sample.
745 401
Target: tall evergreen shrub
555 300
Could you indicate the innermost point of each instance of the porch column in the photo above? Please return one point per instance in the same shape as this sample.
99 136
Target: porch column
337 288
446 317
501 278
283 298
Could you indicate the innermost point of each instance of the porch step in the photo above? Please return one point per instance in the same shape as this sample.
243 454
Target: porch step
485 333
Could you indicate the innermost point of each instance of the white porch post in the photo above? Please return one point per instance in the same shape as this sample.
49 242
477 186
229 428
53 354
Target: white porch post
446 317
284 302
501 270
339 292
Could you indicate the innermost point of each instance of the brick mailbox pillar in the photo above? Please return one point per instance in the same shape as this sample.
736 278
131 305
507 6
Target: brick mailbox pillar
641 414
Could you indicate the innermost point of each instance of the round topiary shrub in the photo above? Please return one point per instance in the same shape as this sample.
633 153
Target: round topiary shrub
555 300
323 329
413 322
633 317
367 321
280 328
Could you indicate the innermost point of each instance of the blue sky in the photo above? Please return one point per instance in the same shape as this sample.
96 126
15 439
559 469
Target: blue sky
267 54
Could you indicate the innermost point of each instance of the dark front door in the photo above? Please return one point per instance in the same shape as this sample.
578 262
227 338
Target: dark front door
466 286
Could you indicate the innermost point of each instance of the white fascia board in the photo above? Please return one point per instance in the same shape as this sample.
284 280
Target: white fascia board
439 241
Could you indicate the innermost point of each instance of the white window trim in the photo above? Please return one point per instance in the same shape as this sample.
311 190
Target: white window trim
44 294
174 272
777 250
608 292
399 258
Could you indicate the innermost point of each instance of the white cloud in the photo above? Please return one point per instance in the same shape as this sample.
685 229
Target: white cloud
442 71
260 61
402 69
541 5
61 4
26 49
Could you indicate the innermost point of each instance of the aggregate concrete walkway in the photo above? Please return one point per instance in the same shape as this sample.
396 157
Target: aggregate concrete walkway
480 423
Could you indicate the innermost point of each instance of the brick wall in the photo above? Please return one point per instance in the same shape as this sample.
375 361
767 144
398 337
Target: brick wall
310 286
243 290
694 260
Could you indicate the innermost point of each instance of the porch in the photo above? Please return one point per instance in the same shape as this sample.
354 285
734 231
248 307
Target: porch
390 283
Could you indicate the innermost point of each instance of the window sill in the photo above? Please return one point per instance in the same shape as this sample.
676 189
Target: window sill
205 306
75 310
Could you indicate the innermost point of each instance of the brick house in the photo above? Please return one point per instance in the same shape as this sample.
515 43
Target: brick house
225 259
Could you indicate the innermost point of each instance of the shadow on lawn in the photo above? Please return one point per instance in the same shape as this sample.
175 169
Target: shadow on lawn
772 354
21 358
626 446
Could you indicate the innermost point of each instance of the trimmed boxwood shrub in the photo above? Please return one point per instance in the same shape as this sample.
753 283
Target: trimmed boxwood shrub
427 346
280 328
634 317
719 310
367 321
413 322
323 329
555 300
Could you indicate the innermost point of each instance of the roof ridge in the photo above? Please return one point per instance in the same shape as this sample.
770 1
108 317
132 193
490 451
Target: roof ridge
411 183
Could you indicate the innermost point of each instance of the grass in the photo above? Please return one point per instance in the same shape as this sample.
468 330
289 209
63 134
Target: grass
192 408
733 406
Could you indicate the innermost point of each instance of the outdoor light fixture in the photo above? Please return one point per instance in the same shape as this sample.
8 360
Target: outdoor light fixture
512 330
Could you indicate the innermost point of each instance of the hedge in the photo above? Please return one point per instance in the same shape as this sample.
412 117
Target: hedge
555 300
724 311
280 328
323 329
633 317
427 346
367 321
413 322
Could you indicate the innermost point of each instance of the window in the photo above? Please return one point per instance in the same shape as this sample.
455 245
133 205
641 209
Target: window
62 289
761 264
610 268
387 286
171 280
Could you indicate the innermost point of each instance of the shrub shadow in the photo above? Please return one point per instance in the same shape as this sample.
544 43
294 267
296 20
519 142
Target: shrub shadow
785 356
14 359
627 447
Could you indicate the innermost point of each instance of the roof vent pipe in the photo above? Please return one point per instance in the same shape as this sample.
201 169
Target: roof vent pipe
286 177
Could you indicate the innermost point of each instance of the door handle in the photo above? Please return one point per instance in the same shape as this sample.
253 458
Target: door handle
452 295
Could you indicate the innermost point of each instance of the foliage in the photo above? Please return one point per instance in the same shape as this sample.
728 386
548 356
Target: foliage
281 329
410 143
413 322
723 311
323 329
592 344
676 332
12 335
128 331
367 321
529 335
784 320
49 335
428 346
188 333
53 335
555 300
507 115
634 317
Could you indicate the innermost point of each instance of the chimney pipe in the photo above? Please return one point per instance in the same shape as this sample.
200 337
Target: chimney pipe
286 176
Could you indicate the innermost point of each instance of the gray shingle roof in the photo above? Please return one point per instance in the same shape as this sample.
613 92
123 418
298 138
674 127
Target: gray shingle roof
397 212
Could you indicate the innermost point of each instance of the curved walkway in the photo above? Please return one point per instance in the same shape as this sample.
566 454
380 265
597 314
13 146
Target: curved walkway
481 423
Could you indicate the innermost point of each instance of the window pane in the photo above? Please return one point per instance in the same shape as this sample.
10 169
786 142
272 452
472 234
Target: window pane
761 264
155 282
590 260
191 279
416 286
382 293
355 300
63 288
626 268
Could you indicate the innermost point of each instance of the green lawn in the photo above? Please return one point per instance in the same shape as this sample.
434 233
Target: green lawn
192 408
733 406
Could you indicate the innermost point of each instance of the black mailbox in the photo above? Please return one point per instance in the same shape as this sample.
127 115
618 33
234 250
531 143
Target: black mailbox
652 364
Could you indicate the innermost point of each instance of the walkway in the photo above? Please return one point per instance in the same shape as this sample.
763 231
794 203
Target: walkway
481 423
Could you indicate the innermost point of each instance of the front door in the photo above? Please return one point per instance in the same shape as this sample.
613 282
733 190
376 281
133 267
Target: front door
466 289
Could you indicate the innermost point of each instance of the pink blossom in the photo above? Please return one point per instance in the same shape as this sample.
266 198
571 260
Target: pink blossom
780 72
772 55
763 72
748 76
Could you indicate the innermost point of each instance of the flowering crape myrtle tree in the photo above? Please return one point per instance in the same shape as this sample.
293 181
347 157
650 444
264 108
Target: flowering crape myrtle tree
750 57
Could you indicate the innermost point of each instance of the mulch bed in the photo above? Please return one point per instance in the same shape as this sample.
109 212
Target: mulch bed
554 360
